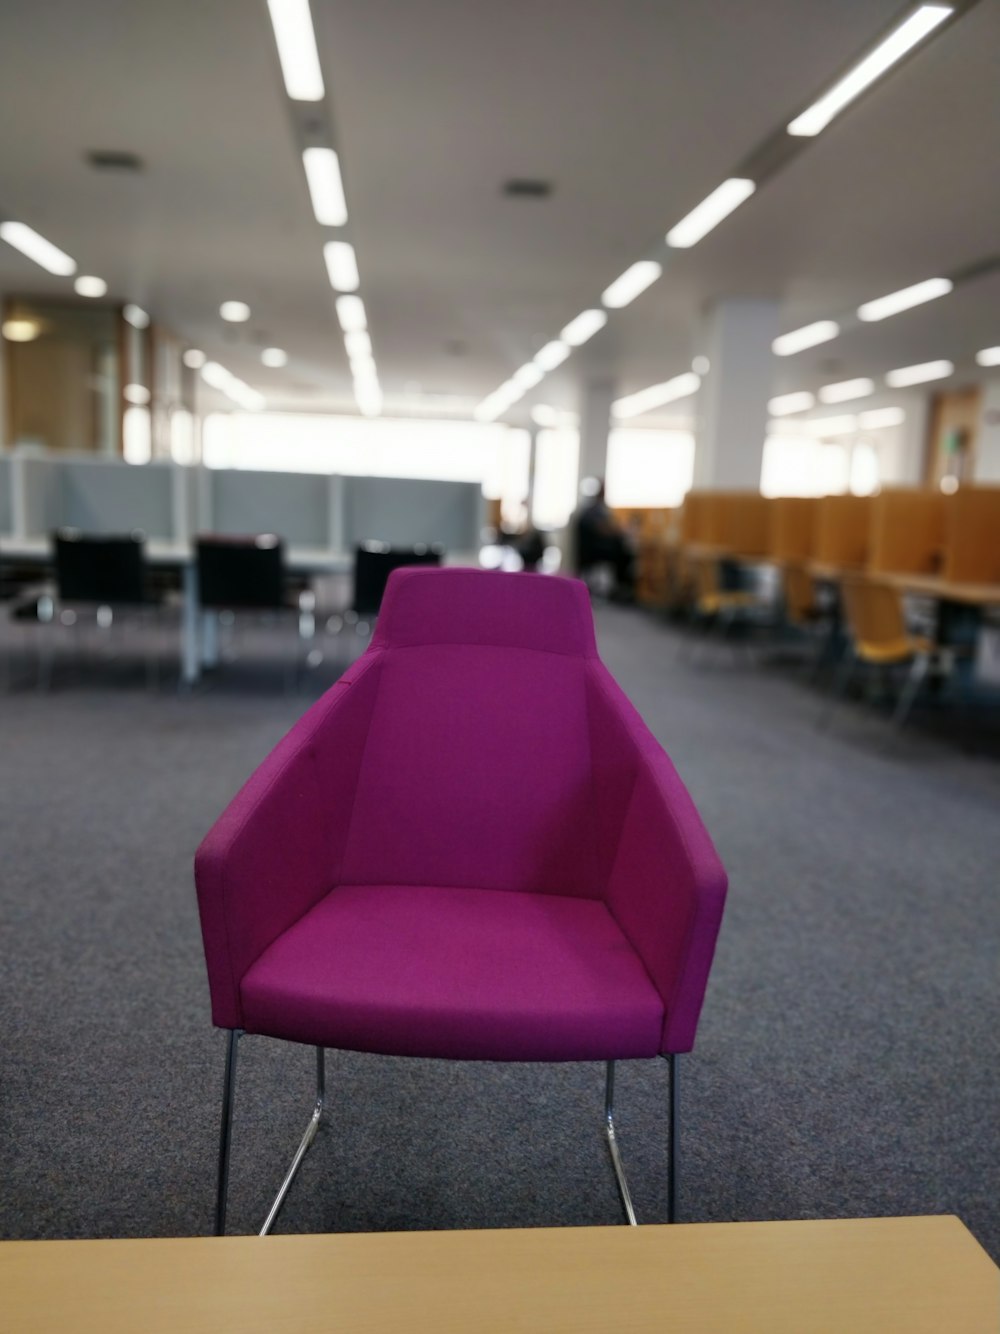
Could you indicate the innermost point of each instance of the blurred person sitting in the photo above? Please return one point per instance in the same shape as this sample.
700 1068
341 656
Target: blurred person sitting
601 540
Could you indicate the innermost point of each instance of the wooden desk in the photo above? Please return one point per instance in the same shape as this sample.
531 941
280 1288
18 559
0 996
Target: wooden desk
863 1276
945 590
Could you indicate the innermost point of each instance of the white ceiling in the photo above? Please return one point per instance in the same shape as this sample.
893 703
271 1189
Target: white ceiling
634 110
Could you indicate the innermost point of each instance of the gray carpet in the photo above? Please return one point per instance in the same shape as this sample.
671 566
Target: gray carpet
847 1057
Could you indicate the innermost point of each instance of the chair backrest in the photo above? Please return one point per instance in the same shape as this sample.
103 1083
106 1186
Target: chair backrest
375 561
477 768
800 593
874 612
707 580
105 570
241 572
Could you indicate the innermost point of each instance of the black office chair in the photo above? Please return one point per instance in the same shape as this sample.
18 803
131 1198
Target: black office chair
100 572
248 574
375 561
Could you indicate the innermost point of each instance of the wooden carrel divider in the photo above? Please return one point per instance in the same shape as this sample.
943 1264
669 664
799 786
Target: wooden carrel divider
842 531
908 532
972 551
792 531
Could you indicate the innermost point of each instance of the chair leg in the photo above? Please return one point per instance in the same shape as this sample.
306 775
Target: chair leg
612 1138
844 676
304 1144
908 694
226 1133
673 1141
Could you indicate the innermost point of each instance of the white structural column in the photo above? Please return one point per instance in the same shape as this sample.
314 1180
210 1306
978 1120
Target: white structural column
595 425
732 400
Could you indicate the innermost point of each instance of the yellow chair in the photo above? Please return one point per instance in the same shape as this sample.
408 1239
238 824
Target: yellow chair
879 639
800 597
713 600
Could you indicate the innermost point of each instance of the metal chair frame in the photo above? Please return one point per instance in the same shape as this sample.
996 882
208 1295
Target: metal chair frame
312 1128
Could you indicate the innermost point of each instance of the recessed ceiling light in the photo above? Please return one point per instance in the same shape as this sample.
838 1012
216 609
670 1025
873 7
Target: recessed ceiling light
681 386
785 404
845 390
137 394
36 248
236 312
296 42
797 340
21 330
919 374
326 186
586 324
877 418
552 354
88 285
989 356
275 357
631 283
136 316
911 31
701 365
884 306
341 266
710 212
351 313
194 358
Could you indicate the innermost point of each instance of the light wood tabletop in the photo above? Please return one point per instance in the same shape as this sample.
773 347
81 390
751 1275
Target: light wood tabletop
860 1276
945 590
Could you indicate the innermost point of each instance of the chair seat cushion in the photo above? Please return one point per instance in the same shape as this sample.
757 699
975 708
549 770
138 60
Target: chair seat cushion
466 974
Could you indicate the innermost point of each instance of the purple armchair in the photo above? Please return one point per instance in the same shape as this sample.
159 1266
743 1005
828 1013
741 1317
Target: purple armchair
472 848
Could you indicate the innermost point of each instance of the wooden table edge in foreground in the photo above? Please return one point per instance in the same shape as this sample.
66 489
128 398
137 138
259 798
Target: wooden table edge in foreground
862 1276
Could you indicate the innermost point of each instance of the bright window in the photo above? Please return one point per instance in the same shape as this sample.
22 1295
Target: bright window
651 468
556 460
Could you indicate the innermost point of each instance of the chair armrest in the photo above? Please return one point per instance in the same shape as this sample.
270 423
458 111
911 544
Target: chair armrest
276 849
666 886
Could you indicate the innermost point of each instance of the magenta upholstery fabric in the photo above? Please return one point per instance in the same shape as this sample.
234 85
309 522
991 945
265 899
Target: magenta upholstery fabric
474 974
471 847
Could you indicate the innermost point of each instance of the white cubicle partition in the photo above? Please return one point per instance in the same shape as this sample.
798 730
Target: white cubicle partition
6 498
111 496
297 506
172 503
405 511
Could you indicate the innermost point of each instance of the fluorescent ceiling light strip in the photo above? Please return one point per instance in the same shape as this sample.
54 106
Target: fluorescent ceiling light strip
880 417
351 314
326 186
88 285
552 354
845 390
785 404
710 212
631 283
988 356
586 324
797 340
919 374
632 405
36 248
911 31
845 425
295 39
884 306
527 376
358 343
342 266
